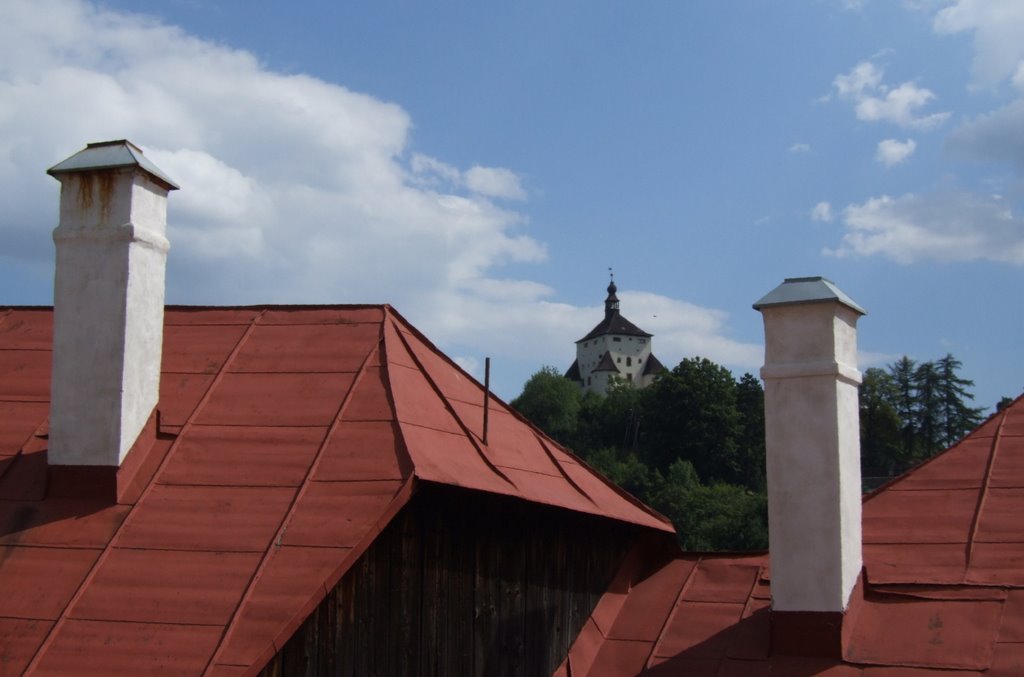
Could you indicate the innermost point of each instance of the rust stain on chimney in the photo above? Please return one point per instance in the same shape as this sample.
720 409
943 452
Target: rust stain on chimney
96 185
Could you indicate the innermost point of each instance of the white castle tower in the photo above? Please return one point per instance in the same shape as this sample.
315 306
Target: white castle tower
615 347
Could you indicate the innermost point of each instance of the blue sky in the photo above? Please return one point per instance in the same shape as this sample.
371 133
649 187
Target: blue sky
481 167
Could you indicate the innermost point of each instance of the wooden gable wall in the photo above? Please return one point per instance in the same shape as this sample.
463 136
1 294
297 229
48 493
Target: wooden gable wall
462 583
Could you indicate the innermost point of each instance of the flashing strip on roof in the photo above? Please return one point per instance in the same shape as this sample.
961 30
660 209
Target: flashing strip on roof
983 493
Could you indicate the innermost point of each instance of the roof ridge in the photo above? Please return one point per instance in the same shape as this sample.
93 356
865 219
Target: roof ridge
401 445
983 493
109 547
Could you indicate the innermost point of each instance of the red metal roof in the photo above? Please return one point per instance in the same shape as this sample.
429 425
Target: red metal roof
288 437
943 587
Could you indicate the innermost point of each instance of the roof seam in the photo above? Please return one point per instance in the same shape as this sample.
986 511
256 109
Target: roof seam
561 470
109 547
303 487
451 410
672 613
982 495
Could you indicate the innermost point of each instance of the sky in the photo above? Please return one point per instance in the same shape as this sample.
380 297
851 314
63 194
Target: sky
481 166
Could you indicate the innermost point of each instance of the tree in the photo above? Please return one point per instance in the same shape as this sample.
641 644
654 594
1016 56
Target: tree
750 405
551 402
629 473
692 415
882 452
911 412
902 372
957 417
927 410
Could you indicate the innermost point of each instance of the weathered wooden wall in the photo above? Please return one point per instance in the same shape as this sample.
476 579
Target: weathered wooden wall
461 583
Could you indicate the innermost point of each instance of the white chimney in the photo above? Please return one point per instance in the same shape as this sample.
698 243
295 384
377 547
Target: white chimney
812 434
108 302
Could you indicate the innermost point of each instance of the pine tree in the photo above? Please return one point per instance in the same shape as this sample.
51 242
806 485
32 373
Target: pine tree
957 417
902 372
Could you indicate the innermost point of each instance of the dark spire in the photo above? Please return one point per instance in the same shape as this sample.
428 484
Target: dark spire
611 304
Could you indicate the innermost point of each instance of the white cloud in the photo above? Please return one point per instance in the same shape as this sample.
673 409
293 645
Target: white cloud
998 27
293 189
864 77
496 182
874 101
821 212
951 226
892 152
800 148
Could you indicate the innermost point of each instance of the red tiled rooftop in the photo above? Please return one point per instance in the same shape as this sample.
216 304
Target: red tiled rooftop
943 589
287 437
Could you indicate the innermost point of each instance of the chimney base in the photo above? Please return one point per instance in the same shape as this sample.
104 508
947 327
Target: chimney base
107 483
816 634
82 481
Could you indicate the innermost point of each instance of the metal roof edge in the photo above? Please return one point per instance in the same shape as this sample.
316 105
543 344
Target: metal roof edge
114 154
801 290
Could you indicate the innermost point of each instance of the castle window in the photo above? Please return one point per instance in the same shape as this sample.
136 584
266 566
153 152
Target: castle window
617 339
618 359
629 361
629 377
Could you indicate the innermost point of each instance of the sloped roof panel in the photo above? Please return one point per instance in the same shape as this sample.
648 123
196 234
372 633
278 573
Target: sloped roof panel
287 438
166 586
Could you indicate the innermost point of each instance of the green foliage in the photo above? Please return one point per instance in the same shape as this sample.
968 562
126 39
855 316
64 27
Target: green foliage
717 517
691 446
911 412
551 402
629 473
693 416
881 449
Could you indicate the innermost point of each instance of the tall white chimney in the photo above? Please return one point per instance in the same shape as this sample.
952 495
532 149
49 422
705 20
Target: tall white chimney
812 435
108 302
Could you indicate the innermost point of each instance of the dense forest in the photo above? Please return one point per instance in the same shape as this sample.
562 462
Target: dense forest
692 444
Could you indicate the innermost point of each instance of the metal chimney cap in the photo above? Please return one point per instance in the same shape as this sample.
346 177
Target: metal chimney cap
816 289
110 155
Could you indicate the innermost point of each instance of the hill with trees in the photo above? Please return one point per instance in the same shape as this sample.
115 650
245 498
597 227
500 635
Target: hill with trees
691 445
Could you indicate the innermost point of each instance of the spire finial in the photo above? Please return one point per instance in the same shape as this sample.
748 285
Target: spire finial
611 304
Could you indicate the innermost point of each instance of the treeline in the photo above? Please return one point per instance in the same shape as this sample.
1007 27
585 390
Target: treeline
691 445
910 411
